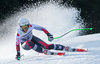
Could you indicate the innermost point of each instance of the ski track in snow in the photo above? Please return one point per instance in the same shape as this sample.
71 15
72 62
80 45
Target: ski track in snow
90 57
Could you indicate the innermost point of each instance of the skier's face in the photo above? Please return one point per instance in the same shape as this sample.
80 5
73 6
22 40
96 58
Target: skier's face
25 28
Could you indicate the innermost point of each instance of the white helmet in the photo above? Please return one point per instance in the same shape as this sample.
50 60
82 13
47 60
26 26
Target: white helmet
23 21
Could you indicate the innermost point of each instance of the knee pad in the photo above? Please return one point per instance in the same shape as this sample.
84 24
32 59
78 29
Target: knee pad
27 45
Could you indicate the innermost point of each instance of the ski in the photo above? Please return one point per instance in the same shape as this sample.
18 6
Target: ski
81 50
46 52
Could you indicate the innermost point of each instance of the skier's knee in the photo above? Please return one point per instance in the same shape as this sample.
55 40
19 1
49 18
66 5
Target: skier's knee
27 45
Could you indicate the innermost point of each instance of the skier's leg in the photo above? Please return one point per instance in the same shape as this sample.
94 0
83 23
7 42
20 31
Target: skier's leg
47 52
27 45
41 43
40 49
62 48
65 48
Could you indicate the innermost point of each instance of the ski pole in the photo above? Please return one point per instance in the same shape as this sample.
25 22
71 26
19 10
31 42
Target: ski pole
72 31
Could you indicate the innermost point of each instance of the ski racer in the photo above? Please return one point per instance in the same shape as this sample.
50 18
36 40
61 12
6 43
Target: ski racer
29 41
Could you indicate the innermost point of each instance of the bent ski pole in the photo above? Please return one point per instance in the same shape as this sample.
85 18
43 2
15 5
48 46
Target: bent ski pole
72 31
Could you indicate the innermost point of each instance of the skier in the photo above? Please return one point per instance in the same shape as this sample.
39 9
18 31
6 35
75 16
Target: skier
29 41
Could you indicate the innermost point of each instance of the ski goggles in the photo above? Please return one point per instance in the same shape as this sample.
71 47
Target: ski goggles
25 26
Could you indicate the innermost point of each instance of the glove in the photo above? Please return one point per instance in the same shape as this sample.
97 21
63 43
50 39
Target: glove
50 37
18 55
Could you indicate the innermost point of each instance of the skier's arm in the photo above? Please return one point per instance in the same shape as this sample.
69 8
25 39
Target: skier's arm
37 27
17 47
17 43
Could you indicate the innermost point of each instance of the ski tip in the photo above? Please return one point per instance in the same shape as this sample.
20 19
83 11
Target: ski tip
82 50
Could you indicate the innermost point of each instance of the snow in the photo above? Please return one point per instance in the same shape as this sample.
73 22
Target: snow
61 19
